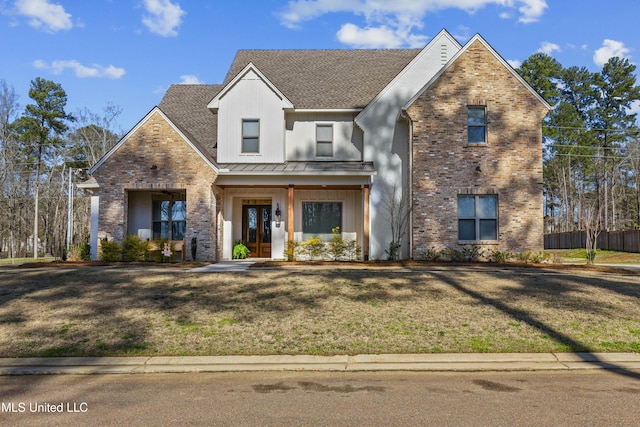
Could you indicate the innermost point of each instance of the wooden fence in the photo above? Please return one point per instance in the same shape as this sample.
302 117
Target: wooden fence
625 241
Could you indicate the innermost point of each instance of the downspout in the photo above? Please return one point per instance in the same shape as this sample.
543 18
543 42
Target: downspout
404 114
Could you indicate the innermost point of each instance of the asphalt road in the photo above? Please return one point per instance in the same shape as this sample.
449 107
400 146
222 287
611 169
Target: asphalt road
336 399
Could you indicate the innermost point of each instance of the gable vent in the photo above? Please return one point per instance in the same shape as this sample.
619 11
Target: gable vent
443 54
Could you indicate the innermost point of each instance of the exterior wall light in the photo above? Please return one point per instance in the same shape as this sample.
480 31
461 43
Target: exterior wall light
278 215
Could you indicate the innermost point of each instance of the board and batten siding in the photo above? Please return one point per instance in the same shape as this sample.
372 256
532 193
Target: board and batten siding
251 98
300 136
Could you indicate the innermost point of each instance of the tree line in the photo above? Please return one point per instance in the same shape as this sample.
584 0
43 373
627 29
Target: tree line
44 151
591 144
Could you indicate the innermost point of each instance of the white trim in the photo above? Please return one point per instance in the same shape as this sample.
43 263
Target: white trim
443 33
215 102
455 57
137 127
326 110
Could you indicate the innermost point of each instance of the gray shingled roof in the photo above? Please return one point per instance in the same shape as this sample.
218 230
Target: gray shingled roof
310 79
326 79
186 107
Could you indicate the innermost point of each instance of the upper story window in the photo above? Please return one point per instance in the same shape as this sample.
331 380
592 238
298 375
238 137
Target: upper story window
477 125
478 217
250 136
324 140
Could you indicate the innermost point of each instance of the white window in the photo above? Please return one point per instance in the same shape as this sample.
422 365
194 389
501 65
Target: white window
478 218
250 136
324 140
476 125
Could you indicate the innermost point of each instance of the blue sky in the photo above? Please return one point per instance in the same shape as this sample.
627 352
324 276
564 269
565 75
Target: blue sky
128 52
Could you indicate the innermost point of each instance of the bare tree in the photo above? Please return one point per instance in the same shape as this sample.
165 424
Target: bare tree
396 204
593 227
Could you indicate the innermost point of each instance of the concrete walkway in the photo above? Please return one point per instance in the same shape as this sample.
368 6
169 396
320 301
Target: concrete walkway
224 266
383 362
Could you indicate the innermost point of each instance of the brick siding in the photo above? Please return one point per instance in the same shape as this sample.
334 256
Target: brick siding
179 167
509 164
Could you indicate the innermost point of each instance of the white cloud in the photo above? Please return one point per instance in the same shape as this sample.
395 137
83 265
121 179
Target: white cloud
81 71
531 10
391 22
609 49
515 63
44 15
190 79
163 17
378 37
548 48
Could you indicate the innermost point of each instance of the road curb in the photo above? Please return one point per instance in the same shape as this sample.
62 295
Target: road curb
367 362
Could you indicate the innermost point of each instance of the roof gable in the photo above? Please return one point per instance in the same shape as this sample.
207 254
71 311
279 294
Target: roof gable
137 127
326 79
500 59
406 79
250 68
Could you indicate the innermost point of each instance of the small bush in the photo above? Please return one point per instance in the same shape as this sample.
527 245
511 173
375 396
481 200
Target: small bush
110 251
393 253
499 256
533 257
468 253
85 251
352 250
240 250
134 248
158 254
337 245
432 254
313 248
290 251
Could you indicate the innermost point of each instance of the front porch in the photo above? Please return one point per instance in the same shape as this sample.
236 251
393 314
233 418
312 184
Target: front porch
265 218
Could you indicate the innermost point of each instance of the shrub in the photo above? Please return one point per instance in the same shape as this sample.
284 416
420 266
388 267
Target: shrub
393 253
534 257
468 253
110 251
158 255
432 254
313 248
134 248
240 250
85 250
499 256
352 250
336 245
290 251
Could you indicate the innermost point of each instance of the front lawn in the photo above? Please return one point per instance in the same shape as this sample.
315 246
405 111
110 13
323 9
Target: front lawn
128 310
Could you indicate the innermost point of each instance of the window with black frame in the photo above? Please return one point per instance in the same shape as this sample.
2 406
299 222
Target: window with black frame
169 218
320 219
478 218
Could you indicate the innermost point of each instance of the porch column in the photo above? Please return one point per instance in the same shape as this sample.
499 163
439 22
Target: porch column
365 234
94 227
290 221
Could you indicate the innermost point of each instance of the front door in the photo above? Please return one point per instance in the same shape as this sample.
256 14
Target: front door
256 230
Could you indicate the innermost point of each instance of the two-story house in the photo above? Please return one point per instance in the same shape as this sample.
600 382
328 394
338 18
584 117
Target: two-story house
294 143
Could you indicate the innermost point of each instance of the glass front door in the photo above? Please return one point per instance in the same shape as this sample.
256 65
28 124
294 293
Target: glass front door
256 230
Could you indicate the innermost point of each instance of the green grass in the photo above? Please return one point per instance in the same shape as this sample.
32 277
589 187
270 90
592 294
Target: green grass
19 261
105 311
602 256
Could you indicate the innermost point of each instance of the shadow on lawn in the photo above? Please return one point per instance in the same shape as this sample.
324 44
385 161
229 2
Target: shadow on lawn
99 311
555 284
